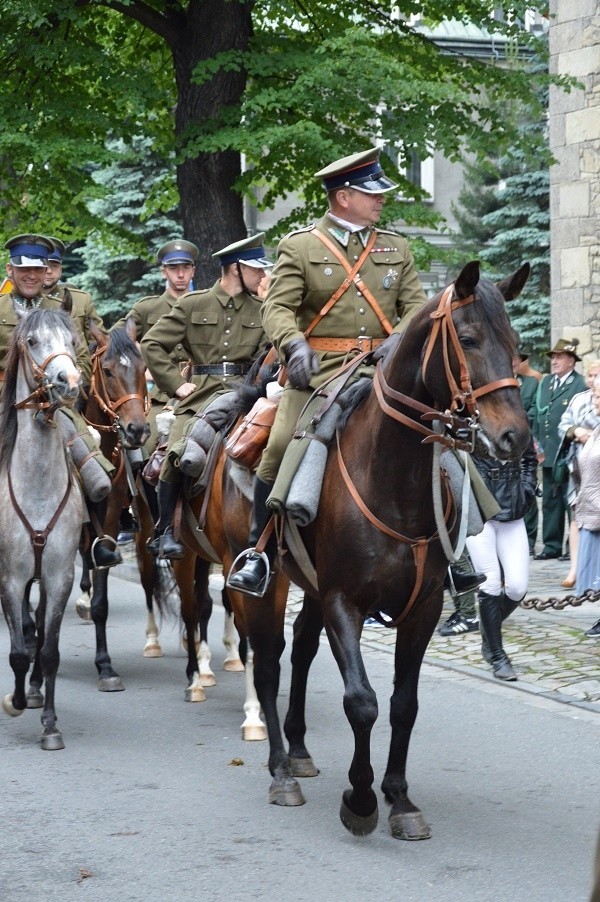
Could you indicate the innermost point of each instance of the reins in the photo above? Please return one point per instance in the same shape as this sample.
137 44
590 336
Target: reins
39 536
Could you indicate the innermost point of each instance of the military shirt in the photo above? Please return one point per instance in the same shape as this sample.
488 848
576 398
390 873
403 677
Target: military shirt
307 274
212 328
9 319
146 313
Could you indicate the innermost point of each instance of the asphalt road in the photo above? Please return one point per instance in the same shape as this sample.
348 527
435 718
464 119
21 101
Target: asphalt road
145 802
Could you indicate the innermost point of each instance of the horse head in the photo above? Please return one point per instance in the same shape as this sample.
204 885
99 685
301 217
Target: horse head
467 345
119 385
42 352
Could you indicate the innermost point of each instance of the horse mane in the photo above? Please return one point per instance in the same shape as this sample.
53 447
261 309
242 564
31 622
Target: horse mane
120 343
54 319
254 385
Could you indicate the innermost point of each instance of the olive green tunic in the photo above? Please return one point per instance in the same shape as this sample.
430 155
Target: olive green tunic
82 312
305 276
212 328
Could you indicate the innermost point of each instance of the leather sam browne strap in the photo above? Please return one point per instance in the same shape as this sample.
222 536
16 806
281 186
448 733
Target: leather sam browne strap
352 275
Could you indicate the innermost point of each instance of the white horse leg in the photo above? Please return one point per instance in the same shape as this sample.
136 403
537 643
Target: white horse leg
195 691
7 706
83 606
253 729
152 648
232 662
207 677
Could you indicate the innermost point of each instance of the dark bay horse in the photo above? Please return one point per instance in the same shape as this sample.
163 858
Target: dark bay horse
375 544
41 508
116 408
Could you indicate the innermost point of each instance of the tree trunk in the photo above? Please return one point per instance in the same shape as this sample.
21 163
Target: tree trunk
212 211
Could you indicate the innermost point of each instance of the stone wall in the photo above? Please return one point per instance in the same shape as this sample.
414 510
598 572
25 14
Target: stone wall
574 124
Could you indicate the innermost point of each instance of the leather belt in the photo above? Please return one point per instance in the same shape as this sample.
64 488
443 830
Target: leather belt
343 345
221 369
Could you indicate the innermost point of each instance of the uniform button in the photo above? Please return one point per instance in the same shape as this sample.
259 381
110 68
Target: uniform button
361 310
204 320
359 294
227 331
228 319
225 344
356 256
224 357
325 259
179 348
363 329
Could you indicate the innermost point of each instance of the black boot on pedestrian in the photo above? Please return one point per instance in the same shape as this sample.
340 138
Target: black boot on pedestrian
458 582
253 578
490 621
104 551
507 606
163 544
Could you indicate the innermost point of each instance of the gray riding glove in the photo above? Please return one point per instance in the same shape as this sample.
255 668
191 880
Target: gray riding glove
301 362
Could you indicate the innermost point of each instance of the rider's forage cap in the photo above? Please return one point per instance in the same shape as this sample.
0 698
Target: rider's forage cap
29 250
249 251
565 346
361 171
59 250
178 251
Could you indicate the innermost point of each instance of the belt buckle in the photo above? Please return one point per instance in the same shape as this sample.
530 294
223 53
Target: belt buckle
361 340
226 366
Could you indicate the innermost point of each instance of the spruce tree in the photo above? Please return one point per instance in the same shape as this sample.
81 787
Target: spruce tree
119 258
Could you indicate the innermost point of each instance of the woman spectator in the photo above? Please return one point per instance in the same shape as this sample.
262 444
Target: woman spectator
587 513
576 425
501 551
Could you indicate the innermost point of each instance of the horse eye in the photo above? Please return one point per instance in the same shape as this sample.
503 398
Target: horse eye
32 341
467 342
108 373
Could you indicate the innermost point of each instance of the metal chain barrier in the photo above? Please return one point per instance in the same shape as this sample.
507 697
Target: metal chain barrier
574 601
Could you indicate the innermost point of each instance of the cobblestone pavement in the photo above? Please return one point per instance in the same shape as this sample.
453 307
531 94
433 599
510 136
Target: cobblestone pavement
548 649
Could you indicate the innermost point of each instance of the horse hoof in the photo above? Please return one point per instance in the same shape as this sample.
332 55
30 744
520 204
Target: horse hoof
35 699
83 606
303 767
357 824
153 651
8 707
195 694
286 792
410 825
254 733
52 742
233 666
111 684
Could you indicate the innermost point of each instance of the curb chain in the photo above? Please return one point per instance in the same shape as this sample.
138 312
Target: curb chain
542 604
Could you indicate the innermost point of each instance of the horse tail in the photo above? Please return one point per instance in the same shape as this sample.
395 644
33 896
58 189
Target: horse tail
165 593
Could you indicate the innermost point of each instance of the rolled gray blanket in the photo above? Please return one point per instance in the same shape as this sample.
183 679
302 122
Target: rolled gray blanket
96 482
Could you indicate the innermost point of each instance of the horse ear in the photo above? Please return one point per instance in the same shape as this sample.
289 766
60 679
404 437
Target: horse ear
95 333
467 279
131 328
67 302
512 286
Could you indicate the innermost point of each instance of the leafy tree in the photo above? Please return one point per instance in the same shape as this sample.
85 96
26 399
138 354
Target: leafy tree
288 84
120 267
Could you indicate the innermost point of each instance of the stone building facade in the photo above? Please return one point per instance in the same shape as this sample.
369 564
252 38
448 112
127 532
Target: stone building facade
574 126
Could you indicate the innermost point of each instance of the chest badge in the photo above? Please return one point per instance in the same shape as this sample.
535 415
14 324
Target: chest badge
390 277
327 271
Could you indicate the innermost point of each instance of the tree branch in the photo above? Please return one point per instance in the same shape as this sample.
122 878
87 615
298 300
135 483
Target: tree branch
166 26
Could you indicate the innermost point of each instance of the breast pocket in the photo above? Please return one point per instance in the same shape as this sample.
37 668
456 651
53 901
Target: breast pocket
384 271
251 332
324 274
203 329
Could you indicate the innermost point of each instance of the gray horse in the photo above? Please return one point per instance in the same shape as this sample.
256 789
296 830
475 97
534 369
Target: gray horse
41 507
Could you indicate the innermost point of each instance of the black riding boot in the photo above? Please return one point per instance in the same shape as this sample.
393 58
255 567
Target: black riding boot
252 577
163 544
103 550
507 606
459 582
490 624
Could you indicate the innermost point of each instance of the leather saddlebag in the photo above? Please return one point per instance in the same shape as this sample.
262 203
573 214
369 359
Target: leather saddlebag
248 439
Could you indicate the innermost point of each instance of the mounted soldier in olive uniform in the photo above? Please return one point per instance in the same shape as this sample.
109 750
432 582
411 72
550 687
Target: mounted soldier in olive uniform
26 269
338 285
220 330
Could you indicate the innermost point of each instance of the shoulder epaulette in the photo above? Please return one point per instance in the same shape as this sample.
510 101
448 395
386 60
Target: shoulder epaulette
148 297
388 232
308 228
